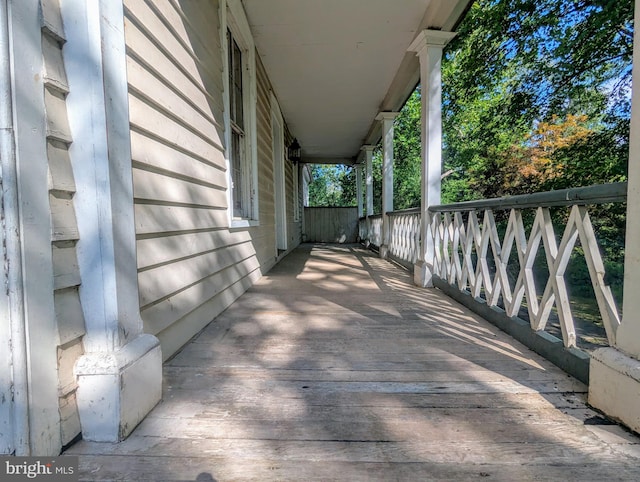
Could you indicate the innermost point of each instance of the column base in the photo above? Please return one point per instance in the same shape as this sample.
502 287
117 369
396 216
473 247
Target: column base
422 275
117 390
614 386
384 251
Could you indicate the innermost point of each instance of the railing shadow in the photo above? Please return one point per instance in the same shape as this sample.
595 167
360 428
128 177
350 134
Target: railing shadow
335 367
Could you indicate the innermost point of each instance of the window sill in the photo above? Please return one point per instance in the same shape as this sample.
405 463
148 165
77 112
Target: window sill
243 223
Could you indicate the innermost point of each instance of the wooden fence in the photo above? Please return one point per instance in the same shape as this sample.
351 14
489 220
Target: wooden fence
331 225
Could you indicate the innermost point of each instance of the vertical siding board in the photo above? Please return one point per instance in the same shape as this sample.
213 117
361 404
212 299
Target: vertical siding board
331 225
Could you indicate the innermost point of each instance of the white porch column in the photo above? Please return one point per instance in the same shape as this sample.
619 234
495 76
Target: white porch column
359 189
428 46
614 379
368 151
120 375
387 119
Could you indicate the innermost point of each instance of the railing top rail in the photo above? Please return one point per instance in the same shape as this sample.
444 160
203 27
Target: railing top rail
400 212
599 194
331 207
374 216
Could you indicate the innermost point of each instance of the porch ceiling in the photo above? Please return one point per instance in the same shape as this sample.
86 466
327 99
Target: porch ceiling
334 64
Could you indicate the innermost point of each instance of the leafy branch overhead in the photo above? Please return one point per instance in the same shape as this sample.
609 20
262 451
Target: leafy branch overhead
518 66
536 96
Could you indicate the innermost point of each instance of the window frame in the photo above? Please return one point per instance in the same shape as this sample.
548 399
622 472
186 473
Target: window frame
234 20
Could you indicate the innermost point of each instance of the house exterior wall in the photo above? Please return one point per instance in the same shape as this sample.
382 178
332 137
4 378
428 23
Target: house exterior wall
64 229
41 310
191 264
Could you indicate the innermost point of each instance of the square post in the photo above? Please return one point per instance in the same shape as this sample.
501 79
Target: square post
428 46
368 151
387 119
120 374
614 375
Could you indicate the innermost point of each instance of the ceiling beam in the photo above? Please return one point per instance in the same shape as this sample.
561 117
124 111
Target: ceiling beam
349 161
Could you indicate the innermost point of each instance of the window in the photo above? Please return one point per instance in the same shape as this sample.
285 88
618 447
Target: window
237 154
240 116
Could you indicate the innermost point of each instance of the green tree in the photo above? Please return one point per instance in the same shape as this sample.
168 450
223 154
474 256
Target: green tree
518 63
332 185
407 159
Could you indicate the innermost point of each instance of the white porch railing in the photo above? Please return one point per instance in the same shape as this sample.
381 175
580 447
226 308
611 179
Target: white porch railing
370 230
404 245
473 257
363 229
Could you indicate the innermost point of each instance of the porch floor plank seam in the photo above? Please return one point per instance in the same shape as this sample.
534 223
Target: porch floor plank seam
334 366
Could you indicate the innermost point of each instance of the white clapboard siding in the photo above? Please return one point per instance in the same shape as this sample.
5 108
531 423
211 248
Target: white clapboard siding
265 154
63 218
69 315
153 154
164 281
177 334
150 118
191 266
201 71
167 189
64 228
194 40
199 21
201 121
65 267
162 250
148 52
162 315
60 172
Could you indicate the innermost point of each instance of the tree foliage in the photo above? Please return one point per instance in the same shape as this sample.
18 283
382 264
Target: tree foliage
535 98
522 69
332 185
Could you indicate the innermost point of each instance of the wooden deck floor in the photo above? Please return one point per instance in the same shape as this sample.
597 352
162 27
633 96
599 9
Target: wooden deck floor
335 367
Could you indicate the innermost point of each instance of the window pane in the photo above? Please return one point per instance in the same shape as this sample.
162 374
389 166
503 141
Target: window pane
237 85
236 174
235 81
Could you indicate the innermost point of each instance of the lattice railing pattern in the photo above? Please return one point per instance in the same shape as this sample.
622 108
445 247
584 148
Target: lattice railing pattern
405 234
471 255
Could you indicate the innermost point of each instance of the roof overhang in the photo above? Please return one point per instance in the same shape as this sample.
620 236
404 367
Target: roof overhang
335 64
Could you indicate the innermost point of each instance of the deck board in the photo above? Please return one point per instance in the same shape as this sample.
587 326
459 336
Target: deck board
335 367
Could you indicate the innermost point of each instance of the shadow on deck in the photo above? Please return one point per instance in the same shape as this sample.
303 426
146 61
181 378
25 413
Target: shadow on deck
335 367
